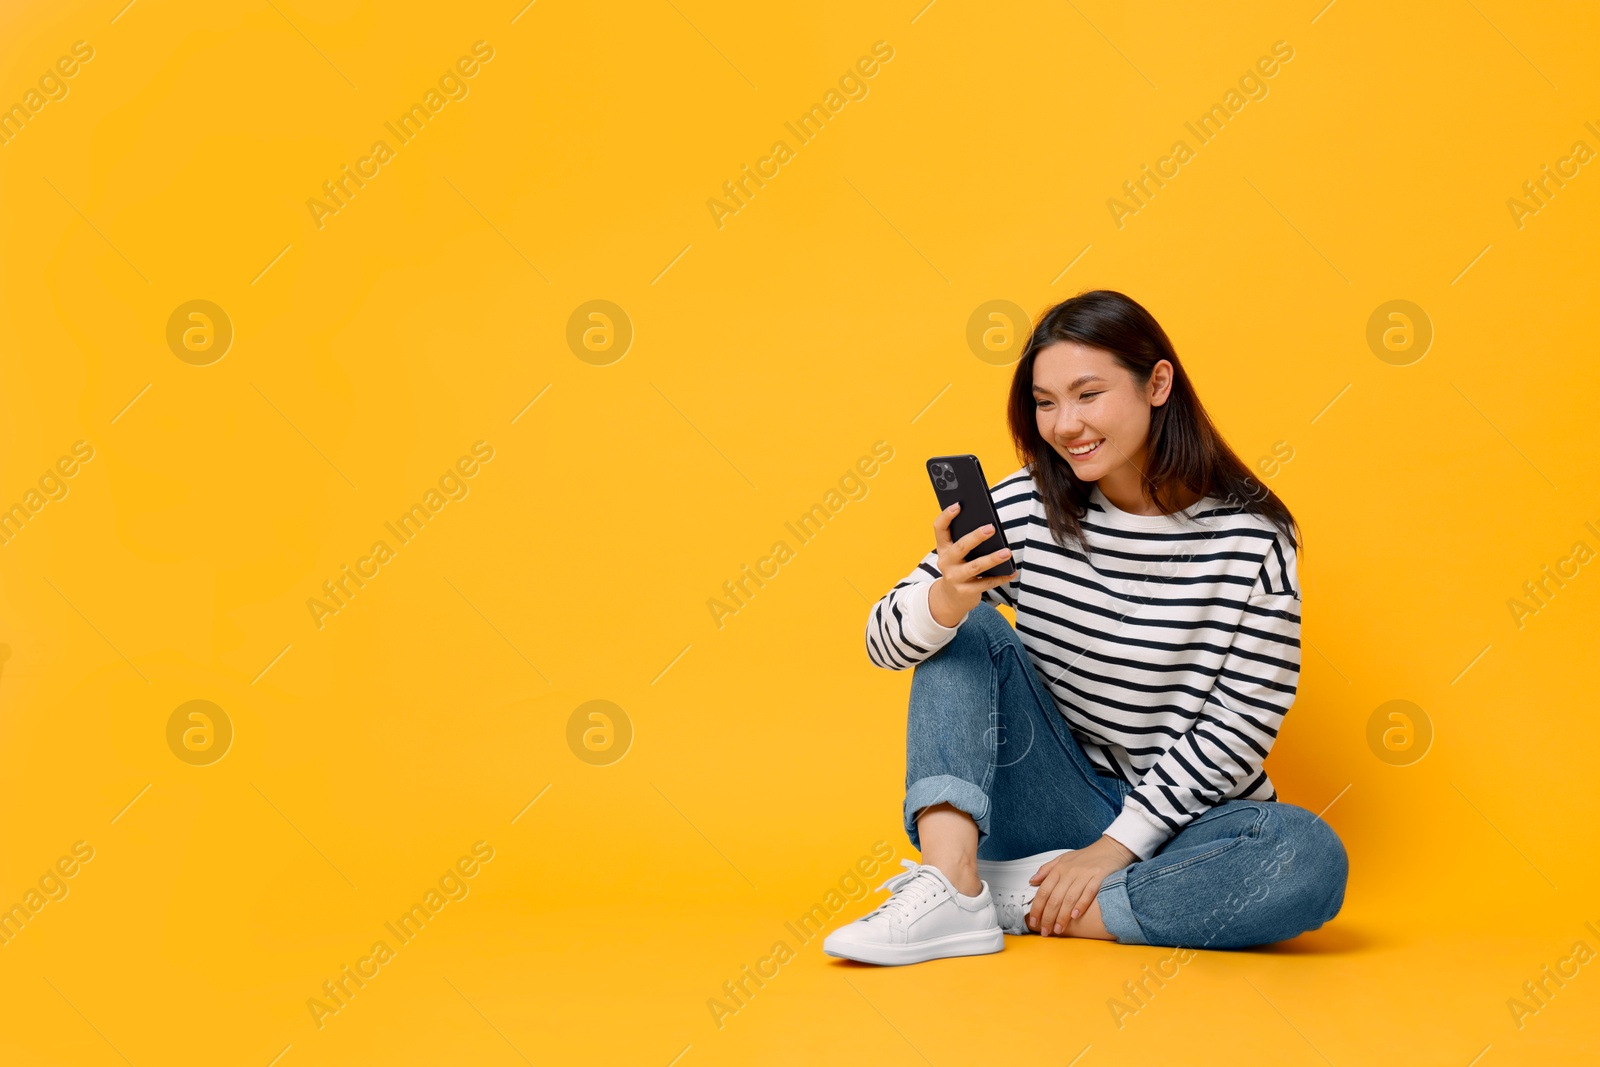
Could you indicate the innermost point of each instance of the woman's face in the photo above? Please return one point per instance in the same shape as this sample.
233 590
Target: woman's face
1092 412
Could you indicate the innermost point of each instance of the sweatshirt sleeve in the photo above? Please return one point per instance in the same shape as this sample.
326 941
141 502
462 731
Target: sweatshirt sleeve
1222 754
901 630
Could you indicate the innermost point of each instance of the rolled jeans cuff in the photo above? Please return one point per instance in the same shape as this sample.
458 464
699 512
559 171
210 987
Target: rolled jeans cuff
945 789
1116 912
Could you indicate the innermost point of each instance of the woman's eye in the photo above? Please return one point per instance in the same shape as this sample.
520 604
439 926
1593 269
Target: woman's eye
1088 396
1041 403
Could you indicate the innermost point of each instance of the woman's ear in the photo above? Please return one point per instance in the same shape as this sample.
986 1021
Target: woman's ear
1159 387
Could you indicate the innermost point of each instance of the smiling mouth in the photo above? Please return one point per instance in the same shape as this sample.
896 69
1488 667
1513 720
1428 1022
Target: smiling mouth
1085 451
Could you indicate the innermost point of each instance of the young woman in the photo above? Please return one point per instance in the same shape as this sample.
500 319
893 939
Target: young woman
1097 771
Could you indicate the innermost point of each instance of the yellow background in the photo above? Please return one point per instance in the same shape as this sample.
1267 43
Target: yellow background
769 355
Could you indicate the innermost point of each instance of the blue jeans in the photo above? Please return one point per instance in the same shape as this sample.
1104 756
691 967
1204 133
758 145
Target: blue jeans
984 736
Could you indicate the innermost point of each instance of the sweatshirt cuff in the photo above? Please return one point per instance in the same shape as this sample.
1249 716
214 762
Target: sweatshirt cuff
920 625
1136 832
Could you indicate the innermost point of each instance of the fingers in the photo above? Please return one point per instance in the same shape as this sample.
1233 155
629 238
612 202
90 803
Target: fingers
1049 875
983 563
1075 901
1043 874
1065 893
972 573
960 568
1060 902
975 567
1042 897
1051 914
975 538
1085 898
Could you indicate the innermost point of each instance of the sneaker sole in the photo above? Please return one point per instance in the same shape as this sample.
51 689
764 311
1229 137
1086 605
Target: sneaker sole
1009 873
970 943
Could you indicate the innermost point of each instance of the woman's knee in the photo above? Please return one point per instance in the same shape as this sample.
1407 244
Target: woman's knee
975 637
1307 859
983 627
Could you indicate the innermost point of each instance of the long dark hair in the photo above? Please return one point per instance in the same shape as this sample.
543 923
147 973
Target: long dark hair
1184 447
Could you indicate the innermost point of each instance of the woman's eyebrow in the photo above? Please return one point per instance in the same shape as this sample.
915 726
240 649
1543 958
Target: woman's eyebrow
1082 379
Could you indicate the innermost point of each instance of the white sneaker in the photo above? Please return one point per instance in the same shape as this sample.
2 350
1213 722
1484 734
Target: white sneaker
923 919
1008 882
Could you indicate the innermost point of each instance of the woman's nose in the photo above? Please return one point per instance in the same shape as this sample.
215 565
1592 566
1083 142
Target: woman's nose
1069 424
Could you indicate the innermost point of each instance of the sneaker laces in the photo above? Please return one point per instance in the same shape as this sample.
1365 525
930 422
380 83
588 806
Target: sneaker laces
1011 912
908 890
1011 907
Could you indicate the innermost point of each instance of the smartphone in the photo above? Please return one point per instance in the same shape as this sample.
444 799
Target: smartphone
960 480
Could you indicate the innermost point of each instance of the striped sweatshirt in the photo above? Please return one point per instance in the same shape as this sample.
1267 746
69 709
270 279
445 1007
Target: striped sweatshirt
1172 647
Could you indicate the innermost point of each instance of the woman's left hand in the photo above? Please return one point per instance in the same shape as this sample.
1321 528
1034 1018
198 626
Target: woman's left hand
1068 883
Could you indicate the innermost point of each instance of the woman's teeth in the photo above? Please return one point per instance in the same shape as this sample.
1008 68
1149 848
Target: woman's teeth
1084 450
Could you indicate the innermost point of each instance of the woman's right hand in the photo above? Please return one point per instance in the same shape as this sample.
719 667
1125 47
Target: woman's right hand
960 587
